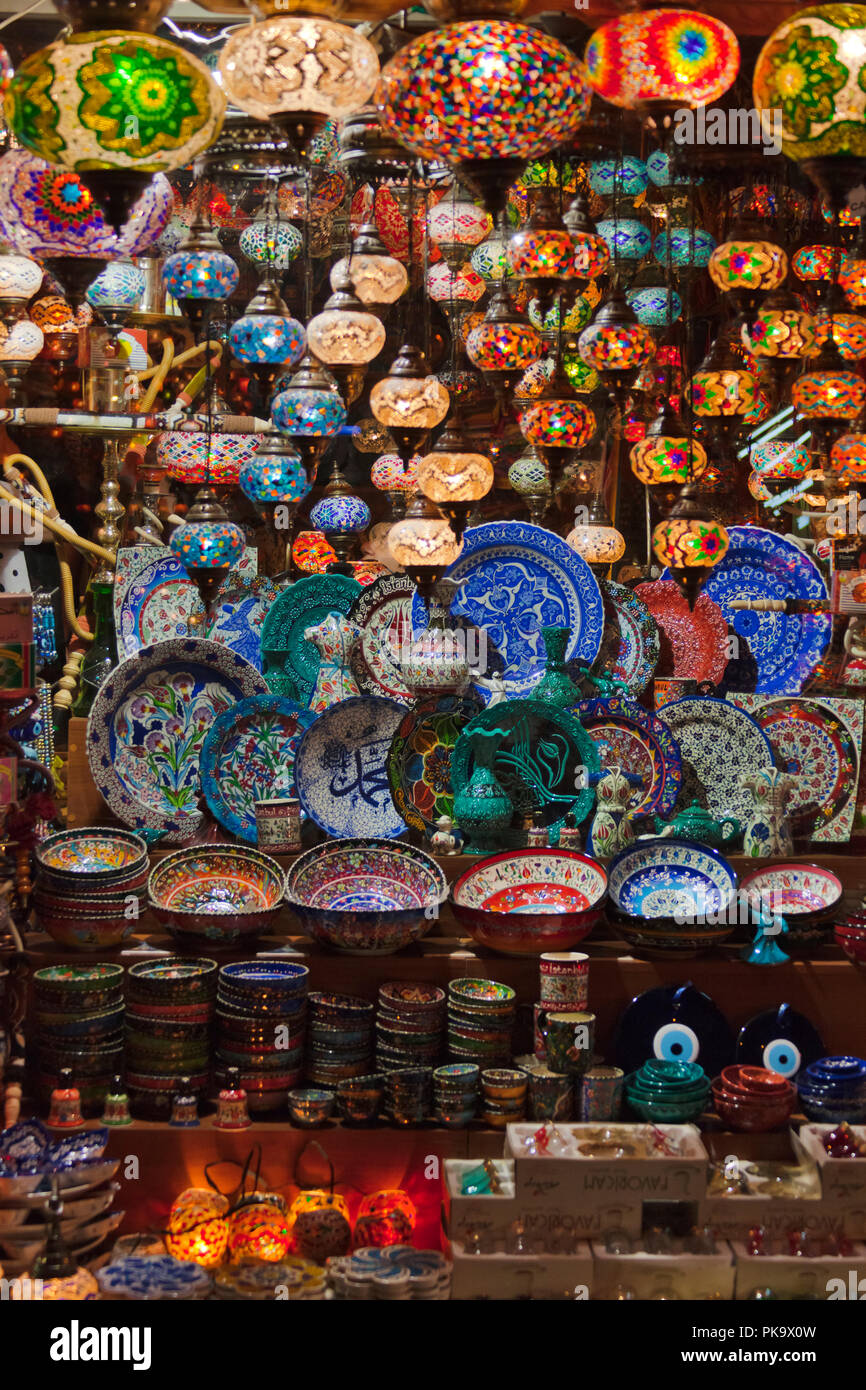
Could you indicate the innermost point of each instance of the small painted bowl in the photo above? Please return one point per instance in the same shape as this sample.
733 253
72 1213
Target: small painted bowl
340 1008
264 979
501 1083
359 1098
216 892
806 895
172 979
78 986
662 891
852 940
460 1076
91 854
310 1107
87 934
486 996
132 881
528 901
408 997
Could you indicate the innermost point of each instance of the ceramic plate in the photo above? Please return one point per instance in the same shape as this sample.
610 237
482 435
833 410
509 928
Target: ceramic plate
762 564
340 768
813 741
419 760
154 597
515 579
389 612
781 1039
249 750
663 877
241 608
693 644
634 648
676 1023
147 726
290 662
718 742
542 763
630 737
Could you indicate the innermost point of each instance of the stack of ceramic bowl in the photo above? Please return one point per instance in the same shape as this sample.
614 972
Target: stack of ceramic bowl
833 1090
409 1095
503 1096
805 895
339 1038
455 1094
90 886
668 1093
261 1021
212 896
78 1024
753 1098
851 936
481 1017
410 1025
170 1005
671 898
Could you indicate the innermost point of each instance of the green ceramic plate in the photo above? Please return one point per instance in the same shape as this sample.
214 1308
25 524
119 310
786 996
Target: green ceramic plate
290 662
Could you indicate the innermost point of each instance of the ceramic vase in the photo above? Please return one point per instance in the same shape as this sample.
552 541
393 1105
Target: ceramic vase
767 829
556 686
611 829
483 807
333 638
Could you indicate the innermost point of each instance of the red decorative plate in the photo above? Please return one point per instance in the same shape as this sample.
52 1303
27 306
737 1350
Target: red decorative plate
693 643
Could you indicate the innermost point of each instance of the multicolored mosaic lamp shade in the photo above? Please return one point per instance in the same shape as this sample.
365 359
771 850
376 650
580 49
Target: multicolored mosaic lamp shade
661 172
312 552
461 286
458 223
306 65
616 347
114 100
22 342
725 392
375 279
667 459
813 262
184 455
490 258
274 478
848 333
689 247
683 543
811 70
591 255
748 265
560 424
340 513
207 545
852 278
576 316
627 238
545 253
119 285
785 333
405 402
612 178
266 338
53 315
501 347
345 337
47 211
20 278
848 458
655 57
654 306
271 243
306 410
200 274
485 89
389 475
584 379
780 458
828 395
197 1227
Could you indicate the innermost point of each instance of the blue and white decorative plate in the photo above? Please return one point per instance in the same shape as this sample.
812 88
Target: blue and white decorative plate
242 605
148 724
341 768
667 878
630 737
786 646
630 651
290 662
155 600
249 750
718 742
514 579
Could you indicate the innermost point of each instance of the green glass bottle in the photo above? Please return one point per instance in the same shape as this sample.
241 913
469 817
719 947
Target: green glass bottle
101 655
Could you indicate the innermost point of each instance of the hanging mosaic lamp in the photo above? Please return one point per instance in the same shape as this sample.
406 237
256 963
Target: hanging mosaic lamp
266 333
341 516
687 248
628 238
207 544
310 405
299 72
455 290
345 334
809 73
376 277
423 544
194 456
591 252
485 96
624 177
689 542
661 60
490 258
117 108
269 242
454 475
747 266
116 292
20 278
721 388
410 400
828 392
616 345
274 473
654 306
200 274
667 456
557 423
848 458
530 478
780 458
456 227
542 253
597 540
852 272
504 344
848 332
781 328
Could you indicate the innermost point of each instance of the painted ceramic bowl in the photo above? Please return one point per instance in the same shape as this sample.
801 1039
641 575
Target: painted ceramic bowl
149 1277
405 998
260 983
359 1099
92 1026
78 988
503 1083
852 938
90 889
214 895
366 897
671 897
310 1106
527 901
91 855
806 895
172 980
86 933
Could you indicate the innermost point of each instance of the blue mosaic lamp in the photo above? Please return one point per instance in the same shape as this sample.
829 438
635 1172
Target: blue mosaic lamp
342 517
626 177
266 334
690 247
200 274
310 405
268 242
207 544
115 292
655 306
627 238
275 473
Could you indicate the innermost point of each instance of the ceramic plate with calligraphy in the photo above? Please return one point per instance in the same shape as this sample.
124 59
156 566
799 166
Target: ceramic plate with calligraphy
419 760
155 599
248 752
290 662
389 613
761 564
148 724
628 736
718 742
693 642
633 652
340 768
543 763
514 579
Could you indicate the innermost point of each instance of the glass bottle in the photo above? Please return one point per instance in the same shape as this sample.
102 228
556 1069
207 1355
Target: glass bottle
100 658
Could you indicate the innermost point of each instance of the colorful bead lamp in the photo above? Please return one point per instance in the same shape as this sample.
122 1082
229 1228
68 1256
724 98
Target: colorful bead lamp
274 475
490 258
660 60
345 334
341 517
18 348
266 334
207 544
310 406
198 1228
616 344
618 178
455 476
200 274
116 292
116 108
747 269
268 242
848 332
504 344
409 401
597 540
259 1228
456 227
557 425
591 252
848 458
397 481
376 277
194 456
654 306
542 253
689 542
456 291
666 457
722 389
828 394
299 72
852 276
627 238
780 329
687 248
780 459
485 96
530 478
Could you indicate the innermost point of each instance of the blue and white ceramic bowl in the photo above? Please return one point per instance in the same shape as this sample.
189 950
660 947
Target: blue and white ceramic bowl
672 897
147 1277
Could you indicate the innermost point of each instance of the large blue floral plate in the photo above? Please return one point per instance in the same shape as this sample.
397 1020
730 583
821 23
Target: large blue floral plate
246 755
148 724
290 662
630 737
340 768
242 605
155 600
761 564
670 878
630 650
718 742
514 579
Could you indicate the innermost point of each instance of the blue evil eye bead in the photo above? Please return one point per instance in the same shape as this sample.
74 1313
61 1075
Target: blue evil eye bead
675 1042
274 478
688 247
276 244
654 306
627 239
118 286
613 178
268 338
200 275
305 410
340 514
782 1056
211 545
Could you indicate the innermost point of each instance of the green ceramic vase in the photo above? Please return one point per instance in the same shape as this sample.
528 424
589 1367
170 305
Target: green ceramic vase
556 686
482 807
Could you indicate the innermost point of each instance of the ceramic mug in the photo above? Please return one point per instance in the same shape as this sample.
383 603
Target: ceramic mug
564 979
551 1096
601 1093
278 825
570 1040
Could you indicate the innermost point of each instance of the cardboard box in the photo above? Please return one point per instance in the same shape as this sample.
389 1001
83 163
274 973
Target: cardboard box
679 1275
842 1179
522 1276
493 1215
834 1277
732 1217
581 1182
